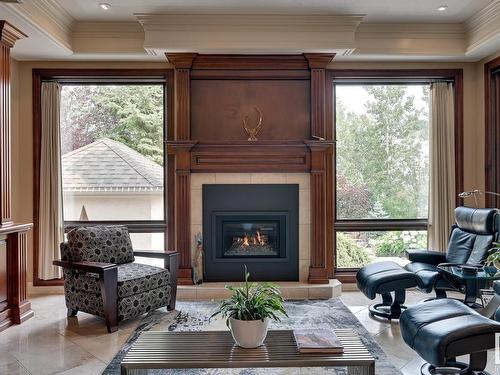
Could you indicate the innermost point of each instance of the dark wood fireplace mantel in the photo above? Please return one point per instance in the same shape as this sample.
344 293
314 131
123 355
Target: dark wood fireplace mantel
212 93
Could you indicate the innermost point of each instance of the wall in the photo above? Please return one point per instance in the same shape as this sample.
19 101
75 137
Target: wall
22 142
480 114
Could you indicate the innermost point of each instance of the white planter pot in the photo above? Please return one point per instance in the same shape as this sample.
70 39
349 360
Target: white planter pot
248 333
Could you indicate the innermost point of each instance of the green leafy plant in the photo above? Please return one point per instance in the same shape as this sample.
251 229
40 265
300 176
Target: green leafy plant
396 243
252 301
349 253
494 257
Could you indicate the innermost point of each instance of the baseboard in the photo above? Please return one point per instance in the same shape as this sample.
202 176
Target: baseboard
39 290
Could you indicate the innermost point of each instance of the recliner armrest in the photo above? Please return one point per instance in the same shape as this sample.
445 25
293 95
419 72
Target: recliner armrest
426 256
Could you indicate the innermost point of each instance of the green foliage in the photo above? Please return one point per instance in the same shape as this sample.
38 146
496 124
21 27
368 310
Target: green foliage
396 243
131 114
252 301
494 255
349 253
383 151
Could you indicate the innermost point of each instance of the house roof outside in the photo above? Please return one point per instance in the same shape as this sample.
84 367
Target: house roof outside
109 166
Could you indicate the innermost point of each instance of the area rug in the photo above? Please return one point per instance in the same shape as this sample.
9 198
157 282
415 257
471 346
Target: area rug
194 316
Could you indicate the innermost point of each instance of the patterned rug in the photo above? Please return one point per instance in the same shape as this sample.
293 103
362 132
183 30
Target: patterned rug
193 316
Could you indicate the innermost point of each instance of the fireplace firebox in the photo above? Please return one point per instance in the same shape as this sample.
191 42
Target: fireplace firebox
252 225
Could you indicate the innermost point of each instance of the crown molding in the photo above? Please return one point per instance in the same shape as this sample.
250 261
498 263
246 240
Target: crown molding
112 37
410 39
248 33
10 34
483 27
49 18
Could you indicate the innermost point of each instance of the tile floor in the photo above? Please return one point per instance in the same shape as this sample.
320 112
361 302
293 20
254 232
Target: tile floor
51 344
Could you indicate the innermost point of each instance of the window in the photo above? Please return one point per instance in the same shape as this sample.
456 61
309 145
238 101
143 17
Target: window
113 158
382 170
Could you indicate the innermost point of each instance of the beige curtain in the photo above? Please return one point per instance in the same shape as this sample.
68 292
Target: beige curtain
51 232
442 165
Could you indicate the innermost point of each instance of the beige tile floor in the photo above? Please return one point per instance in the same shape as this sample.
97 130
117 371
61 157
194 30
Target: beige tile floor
52 344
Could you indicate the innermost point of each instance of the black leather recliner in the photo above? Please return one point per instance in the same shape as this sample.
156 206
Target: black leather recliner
471 237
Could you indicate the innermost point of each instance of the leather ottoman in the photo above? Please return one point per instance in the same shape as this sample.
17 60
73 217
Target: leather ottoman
385 278
441 330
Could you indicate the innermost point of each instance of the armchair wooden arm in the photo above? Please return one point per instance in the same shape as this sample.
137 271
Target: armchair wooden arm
93 267
108 280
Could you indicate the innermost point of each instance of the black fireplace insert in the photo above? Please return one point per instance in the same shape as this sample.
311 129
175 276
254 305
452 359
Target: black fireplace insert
252 225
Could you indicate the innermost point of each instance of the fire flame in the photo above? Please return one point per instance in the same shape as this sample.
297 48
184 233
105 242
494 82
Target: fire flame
255 239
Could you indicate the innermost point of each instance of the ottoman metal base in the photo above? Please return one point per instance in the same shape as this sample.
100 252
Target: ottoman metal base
389 308
476 366
457 368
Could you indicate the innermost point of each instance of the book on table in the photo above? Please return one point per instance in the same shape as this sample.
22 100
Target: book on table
317 341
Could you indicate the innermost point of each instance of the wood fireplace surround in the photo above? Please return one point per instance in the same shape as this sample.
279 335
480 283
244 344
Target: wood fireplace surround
212 94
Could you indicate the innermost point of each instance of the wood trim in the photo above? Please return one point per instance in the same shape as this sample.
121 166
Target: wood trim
94 76
240 155
17 254
320 151
319 60
380 225
262 74
5 142
10 34
181 60
250 62
492 132
182 152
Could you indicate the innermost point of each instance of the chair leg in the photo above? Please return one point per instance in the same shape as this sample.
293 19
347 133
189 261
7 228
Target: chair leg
72 312
109 287
389 308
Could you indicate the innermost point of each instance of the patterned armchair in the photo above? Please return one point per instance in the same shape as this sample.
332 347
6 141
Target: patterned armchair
101 278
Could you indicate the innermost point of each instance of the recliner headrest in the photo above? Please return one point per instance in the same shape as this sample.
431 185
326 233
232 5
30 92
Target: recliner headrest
477 220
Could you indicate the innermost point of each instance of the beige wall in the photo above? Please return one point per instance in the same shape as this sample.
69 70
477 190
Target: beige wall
22 142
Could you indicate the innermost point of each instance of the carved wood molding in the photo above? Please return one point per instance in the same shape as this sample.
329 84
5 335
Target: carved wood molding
319 60
9 34
250 62
181 60
182 206
320 153
262 156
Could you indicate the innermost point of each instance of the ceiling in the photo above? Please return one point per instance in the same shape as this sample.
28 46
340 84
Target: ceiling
375 10
363 30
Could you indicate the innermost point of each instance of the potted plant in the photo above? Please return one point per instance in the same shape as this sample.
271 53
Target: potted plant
249 309
493 258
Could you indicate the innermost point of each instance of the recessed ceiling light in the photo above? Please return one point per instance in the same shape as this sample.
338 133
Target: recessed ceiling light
105 6
442 8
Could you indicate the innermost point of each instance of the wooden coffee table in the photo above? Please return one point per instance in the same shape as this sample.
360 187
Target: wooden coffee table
216 349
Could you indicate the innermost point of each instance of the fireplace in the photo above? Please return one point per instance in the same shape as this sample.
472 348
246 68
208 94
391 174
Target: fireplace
252 225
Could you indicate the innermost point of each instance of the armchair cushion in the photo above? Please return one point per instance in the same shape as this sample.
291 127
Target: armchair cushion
426 256
133 278
107 244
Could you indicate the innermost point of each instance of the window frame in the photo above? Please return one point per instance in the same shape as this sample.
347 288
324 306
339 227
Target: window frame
399 76
101 77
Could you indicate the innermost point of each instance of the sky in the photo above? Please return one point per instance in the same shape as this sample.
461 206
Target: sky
354 96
